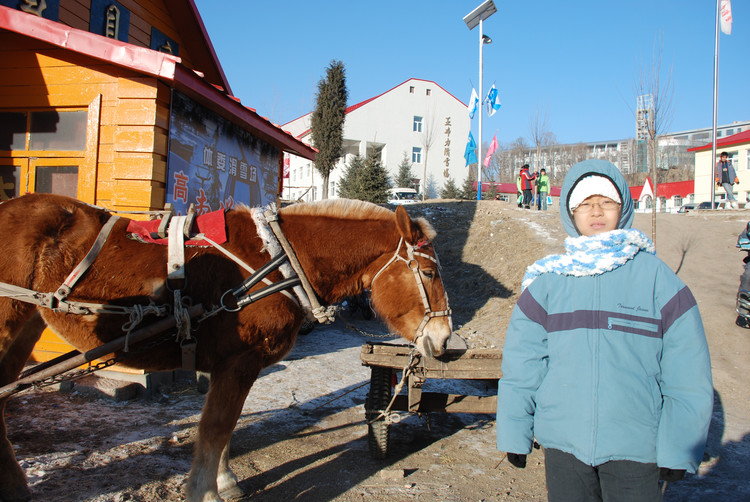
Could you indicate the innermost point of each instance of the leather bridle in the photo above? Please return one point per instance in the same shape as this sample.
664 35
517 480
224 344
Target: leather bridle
411 262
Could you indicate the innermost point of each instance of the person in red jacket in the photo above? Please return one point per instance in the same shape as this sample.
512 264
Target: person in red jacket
526 184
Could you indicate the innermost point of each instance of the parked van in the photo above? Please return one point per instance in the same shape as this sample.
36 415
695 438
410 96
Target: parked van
402 196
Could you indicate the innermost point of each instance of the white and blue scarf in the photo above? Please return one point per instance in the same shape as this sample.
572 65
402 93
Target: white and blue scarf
592 255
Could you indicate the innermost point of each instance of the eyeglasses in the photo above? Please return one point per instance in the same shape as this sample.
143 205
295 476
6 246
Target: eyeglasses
604 205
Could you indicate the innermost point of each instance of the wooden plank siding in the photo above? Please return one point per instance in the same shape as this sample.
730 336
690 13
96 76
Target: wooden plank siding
75 13
125 165
134 116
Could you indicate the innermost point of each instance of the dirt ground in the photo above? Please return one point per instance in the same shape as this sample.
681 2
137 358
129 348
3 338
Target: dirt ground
302 434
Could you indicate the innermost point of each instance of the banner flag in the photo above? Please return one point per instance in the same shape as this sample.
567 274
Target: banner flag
490 151
726 17
473 103
470 154
493 101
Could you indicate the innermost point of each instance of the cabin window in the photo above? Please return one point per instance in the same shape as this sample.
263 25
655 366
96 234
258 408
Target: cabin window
61 180
9 181
47 130
54 130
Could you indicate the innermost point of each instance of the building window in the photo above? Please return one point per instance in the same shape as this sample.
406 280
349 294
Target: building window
427 93
416 155
411 89
417 124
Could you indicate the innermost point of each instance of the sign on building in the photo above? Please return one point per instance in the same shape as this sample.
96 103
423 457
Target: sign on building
214 164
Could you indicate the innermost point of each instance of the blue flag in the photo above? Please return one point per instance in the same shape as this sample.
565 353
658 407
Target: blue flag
493 101
473 103
471 151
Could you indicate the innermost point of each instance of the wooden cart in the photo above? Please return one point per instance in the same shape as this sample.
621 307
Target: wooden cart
385 359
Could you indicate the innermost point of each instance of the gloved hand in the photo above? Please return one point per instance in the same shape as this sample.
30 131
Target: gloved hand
671 475
517 460
737 180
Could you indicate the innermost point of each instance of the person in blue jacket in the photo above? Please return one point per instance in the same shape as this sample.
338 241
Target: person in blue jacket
605 361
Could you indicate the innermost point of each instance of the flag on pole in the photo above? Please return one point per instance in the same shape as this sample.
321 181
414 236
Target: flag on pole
473 103
490 151
471 151
286 166
493 101
725 11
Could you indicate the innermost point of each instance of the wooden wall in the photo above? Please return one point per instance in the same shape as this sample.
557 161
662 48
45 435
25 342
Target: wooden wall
143 15
132 145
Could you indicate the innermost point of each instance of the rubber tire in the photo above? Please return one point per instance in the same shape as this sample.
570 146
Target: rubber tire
381 391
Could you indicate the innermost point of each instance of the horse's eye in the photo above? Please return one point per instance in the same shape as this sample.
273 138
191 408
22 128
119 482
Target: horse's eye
428 274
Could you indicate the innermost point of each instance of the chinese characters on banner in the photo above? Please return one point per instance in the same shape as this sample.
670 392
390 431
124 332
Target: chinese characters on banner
214 164
447 149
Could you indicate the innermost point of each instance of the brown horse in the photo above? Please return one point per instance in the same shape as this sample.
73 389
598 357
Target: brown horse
344 247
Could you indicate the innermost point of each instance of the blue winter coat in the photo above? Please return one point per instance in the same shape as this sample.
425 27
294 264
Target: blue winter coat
607 367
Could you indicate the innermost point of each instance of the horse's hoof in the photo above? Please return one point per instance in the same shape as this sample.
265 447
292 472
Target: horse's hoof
233 493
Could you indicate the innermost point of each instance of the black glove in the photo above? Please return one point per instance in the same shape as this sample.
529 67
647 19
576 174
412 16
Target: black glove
517 460
671 475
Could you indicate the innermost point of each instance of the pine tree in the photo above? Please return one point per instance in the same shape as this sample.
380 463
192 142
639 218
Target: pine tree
405 178
450 190
468 191
327 122
365 179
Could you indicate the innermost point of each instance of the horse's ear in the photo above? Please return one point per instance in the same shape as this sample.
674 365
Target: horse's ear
406 226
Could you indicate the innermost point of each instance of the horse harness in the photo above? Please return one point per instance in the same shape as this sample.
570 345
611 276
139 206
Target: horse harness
412 263
232 300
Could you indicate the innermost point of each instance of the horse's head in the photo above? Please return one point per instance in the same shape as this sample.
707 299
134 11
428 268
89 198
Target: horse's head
408 291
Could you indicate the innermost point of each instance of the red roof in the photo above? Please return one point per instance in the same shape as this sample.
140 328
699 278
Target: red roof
157 64
666 190
351 108
734 139
681 188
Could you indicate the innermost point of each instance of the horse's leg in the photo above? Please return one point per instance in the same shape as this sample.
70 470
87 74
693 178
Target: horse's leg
226 480
18 334
230 383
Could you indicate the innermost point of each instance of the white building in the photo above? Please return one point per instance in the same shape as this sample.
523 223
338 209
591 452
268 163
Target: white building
417 118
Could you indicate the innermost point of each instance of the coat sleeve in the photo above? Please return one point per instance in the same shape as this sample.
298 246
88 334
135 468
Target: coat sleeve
524 367
686 386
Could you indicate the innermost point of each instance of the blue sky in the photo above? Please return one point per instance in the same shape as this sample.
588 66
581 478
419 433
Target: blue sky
576 62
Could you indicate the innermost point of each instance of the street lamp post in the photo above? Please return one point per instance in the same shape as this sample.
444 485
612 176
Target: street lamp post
473 19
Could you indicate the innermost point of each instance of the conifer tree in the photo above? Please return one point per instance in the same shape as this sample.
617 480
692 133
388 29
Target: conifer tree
405 178
327 122
468 191
365 179
450 190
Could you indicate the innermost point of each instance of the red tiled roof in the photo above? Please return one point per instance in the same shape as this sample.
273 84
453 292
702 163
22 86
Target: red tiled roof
157 64
734 139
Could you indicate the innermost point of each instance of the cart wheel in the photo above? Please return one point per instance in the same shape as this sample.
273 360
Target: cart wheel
377 400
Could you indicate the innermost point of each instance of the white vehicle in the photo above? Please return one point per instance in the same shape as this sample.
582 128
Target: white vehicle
403 196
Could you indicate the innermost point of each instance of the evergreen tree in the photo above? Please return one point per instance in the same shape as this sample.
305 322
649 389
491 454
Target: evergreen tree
450 190
327 122
468 191
405 178
365 179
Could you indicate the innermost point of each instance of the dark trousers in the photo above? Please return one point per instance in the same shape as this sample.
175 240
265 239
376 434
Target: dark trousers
570 480
526 197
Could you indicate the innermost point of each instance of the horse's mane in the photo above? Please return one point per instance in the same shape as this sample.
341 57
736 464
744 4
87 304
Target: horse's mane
351 208
339 208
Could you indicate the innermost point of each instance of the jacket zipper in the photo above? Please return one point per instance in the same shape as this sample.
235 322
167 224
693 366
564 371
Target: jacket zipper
595 375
